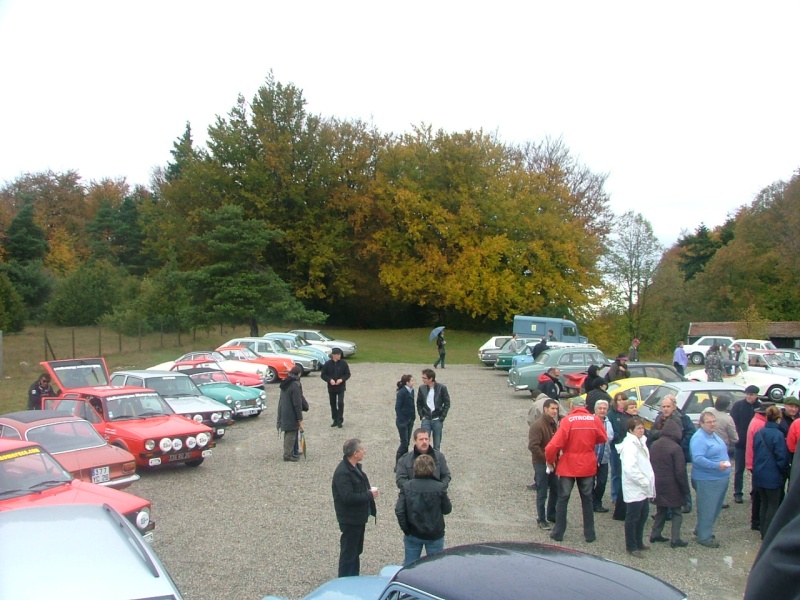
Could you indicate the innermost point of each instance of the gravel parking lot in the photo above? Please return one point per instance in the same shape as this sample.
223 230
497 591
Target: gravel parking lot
246 524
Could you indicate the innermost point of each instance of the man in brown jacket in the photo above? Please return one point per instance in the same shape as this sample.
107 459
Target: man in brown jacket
539 434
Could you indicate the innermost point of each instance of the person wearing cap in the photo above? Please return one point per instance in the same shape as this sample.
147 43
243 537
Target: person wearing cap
335 372
619 369
770 467
633 351
790 410
742 413
756 425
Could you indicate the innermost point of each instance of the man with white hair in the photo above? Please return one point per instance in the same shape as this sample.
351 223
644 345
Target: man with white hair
603 454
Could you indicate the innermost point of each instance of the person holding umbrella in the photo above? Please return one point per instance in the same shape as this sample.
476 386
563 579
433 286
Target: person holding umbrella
440 342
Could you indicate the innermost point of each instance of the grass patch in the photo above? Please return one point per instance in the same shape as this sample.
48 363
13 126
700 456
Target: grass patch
23 351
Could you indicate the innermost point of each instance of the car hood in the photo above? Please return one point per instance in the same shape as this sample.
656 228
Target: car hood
236 392
185 404
78 492
154 427
348 588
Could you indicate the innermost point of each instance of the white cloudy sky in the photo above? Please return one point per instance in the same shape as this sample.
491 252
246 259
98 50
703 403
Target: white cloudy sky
690 107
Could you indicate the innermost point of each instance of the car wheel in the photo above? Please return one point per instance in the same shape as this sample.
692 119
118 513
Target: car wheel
195 463
697 358
775 393
271 376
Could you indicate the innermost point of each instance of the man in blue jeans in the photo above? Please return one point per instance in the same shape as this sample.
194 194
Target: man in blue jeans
433 403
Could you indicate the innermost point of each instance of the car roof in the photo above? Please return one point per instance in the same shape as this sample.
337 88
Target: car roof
150 373
35 416
88 550
702 385
507 570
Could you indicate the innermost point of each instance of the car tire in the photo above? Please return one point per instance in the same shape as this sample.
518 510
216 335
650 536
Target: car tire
195 463
271 376
775 393
697 358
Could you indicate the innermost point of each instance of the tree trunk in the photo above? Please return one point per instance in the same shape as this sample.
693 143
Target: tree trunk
253 327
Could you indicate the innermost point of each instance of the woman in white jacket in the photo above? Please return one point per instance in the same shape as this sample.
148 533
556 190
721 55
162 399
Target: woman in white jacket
638 485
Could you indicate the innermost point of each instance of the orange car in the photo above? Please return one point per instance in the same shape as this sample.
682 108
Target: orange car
276 368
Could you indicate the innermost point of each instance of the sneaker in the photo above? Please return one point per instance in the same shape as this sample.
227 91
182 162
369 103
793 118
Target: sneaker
678 544
636 553
712 543
544 525
658 538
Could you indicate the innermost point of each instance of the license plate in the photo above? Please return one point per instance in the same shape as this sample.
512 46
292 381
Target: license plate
249 412
221 431
206 453
101 474
179 456
149 537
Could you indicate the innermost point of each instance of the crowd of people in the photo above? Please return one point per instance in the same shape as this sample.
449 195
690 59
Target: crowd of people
602 438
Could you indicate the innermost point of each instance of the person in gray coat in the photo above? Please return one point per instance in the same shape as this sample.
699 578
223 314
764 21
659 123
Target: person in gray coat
672 482
404 469
290 412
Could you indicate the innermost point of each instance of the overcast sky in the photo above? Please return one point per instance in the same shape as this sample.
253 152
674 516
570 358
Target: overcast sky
690 107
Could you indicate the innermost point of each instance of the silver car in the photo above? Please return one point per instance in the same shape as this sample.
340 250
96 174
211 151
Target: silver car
85 551
693 397
318 337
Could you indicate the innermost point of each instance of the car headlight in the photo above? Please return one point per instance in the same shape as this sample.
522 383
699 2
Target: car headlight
226 415
149 445
191 443
263 395
197 418
165 445
143 518
202 439
215 417
237 405
228 399
177 444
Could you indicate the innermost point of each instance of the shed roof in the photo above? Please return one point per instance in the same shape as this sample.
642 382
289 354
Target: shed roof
775 329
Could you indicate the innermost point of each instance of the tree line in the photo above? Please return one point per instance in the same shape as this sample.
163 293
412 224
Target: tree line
287 216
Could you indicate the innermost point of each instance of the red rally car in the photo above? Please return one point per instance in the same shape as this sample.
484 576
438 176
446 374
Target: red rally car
134 418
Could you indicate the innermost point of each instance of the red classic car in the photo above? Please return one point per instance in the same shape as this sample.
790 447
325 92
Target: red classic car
29 477
75 444
276 367
237 377
136 419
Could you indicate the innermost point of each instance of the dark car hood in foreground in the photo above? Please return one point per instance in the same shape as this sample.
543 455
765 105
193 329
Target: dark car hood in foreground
509 570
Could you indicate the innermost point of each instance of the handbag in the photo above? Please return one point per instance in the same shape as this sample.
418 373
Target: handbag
304 404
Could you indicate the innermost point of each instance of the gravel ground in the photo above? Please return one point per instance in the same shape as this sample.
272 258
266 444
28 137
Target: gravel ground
246 524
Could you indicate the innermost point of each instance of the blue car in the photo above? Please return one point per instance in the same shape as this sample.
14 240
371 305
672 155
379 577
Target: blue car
501 571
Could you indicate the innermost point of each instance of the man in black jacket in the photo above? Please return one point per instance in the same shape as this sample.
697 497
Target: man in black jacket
290 412
420 511
354 503
404 469
335 373
433 402
40 388
742 413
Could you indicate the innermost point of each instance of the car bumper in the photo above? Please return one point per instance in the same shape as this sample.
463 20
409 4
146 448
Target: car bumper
156 459
247 411
121 482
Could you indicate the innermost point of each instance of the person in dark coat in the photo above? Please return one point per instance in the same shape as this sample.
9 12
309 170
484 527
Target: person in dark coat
598 393
742 412
290 412
404 468
540 347
672 482
421 507
592 379
335 373
354 503
776 569
770 467
405 413
549 382
39 389
619 369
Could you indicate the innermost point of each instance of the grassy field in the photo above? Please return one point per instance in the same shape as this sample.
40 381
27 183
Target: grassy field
22 352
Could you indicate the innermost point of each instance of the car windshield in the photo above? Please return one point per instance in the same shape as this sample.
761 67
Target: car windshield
66 436
172 386
324 336
277 346
135 406
29 471
248 354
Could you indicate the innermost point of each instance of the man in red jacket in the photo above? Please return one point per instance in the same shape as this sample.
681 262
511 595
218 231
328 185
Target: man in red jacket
578 433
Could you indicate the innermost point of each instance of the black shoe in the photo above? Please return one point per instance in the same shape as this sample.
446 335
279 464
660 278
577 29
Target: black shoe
339 424
678 544
531 486
293 458
335 424
726 506
738 499
600 509
590 540
659 538
755 526
686 509
557 538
